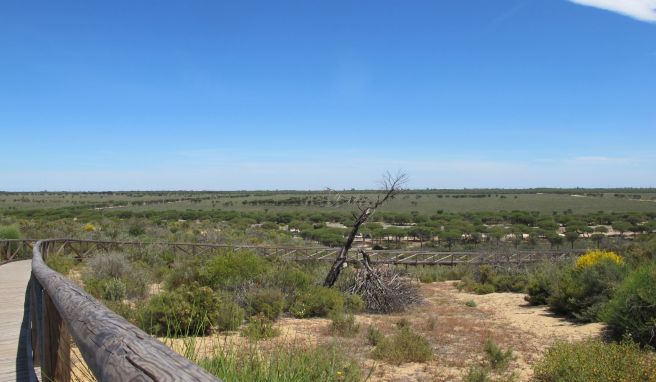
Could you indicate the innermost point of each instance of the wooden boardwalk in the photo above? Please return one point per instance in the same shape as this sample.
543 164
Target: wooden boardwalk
14 278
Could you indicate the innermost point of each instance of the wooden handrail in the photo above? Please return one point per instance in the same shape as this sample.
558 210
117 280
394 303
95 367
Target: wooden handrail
113 349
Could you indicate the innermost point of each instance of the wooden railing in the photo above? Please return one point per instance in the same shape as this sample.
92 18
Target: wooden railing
65 330
61 316
12 250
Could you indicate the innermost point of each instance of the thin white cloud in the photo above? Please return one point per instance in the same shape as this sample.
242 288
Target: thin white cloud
644 10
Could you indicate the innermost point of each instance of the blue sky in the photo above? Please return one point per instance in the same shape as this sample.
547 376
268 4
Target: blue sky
224 95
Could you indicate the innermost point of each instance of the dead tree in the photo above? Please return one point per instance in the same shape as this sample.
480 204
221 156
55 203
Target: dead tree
392 185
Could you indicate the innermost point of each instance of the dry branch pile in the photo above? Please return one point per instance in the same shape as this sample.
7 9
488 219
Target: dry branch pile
384 289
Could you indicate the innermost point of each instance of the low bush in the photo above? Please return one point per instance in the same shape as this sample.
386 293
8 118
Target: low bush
353 303
289 278
9 232
488 279
343 324
229 315
403 346
632 310
542 282
499 359
61 263
374 335
470 303
259 327
185 311
114 290
185 270
583 292
230 270
268 301
317 301
477 374
597 361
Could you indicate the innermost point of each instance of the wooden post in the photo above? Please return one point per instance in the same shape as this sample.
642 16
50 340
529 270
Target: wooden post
57 350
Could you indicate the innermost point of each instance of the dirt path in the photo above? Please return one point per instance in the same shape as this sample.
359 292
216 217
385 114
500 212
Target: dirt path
455 331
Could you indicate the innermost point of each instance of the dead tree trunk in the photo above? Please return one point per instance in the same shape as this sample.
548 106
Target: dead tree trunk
392 185
340 261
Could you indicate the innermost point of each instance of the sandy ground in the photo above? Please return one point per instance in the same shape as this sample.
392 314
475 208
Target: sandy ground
456 332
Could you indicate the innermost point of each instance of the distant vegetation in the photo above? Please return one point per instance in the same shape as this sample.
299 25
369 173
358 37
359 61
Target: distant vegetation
176 296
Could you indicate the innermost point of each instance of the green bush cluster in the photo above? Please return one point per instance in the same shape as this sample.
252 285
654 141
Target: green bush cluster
10 232
317 301
185 311
260 327
632 310
581 292
597 361
269 302
488 279
230 270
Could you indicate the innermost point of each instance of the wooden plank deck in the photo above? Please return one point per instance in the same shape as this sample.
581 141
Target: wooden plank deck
14 278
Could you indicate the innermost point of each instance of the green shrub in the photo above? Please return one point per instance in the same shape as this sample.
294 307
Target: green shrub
597 361
184 271
114 290
632 310
542 282
230 270
374 335
61 263
9 232
477 374
487 279
290 363
470 303
229 316
185 311
289 278
584 292
353 303
259 327
317 301
403 346
343 324
499 359
268 301
136 283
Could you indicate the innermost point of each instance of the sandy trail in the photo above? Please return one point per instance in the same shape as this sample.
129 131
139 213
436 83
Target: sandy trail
456 332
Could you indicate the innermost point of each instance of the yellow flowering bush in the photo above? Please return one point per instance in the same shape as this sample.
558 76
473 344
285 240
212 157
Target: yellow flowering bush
596 256
89 228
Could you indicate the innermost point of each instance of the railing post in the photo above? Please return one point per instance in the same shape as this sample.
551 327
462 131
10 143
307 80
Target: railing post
56 344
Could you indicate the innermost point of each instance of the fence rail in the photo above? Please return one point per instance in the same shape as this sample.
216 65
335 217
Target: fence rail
62 322
11 250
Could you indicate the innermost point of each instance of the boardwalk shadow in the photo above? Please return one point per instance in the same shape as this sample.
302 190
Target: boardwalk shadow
24 364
